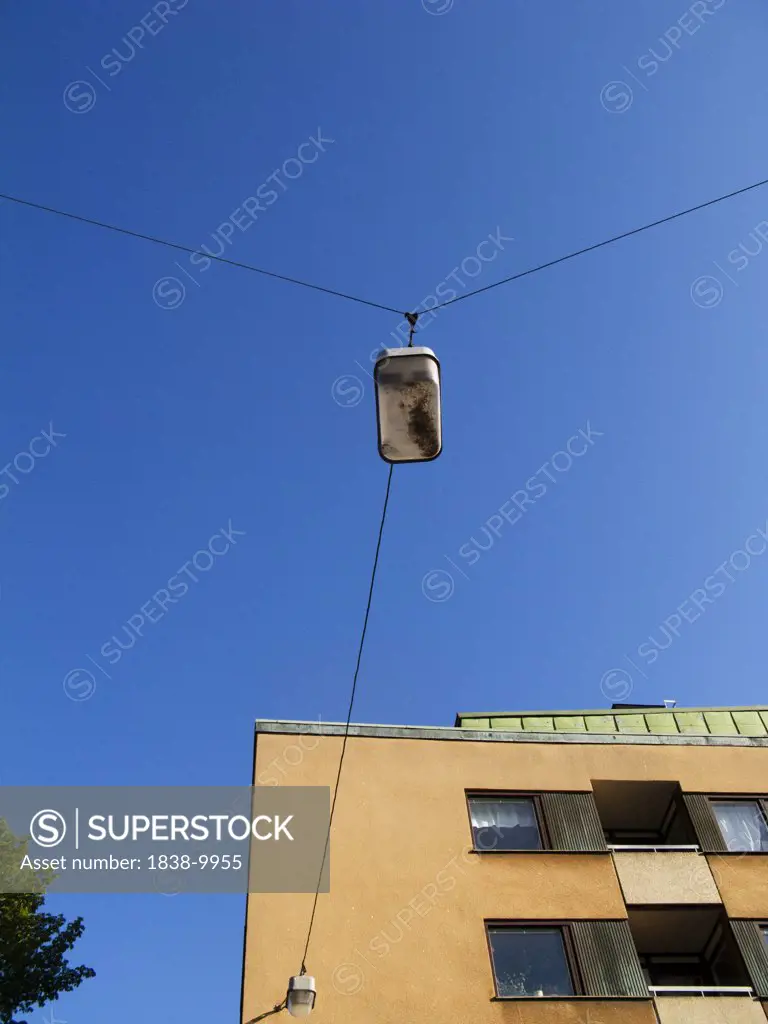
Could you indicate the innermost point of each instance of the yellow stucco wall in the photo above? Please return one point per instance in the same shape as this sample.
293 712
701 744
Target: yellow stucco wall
743 884
401 935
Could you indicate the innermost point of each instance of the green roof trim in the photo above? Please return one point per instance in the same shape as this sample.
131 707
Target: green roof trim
721 723
631 723
665 725
749 723
600 723
513 722
735 721
691 721
570 723
480 723
538 723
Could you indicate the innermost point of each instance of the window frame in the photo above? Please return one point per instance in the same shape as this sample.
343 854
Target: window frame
569 950
760 800
538 811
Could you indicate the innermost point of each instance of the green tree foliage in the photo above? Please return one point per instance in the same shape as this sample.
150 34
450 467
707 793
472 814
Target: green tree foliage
33 945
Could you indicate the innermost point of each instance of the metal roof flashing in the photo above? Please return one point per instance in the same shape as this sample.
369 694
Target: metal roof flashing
415 732
750 721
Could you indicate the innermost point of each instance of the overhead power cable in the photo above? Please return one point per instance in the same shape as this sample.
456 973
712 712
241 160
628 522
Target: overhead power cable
378 305
198 252
349 716
600 245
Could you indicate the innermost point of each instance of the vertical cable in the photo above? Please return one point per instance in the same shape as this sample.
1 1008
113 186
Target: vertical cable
349 716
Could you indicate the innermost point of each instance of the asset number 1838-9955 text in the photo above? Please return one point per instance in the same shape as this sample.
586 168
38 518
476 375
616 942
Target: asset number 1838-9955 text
183 862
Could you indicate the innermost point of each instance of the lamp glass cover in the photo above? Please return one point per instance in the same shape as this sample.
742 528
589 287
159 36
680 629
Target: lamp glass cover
408 404
300 1003
301 995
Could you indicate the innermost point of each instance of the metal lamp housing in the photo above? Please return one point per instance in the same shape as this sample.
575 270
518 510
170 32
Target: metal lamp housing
408 404
301 995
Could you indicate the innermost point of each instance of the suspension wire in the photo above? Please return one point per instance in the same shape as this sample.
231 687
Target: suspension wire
600 245
377 305
281 1006
349 716
197 252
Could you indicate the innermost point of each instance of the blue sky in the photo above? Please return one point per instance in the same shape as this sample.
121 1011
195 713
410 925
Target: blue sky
237 409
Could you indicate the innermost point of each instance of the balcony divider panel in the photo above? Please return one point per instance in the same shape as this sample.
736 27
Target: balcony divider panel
573 822
608 959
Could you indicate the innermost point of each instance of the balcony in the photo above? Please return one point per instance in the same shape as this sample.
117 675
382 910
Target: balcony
707 1006
645 815
693 967
654 846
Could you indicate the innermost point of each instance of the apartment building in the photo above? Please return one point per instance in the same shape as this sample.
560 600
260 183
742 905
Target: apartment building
574 867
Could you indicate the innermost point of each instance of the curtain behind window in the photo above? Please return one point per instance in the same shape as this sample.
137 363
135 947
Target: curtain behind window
504 824
742 825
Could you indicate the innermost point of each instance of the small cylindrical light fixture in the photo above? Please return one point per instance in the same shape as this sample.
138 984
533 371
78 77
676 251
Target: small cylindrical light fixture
408 404
301 995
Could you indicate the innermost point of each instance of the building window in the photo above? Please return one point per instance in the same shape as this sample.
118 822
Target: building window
530 961
563 959
742 825
504 823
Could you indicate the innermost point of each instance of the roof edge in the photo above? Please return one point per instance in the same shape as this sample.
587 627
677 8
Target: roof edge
429 732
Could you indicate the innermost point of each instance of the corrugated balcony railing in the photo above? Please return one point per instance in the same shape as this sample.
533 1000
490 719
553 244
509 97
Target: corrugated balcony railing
706 1005
664 875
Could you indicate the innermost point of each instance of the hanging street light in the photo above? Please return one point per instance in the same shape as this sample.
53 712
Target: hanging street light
408 403
301 995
